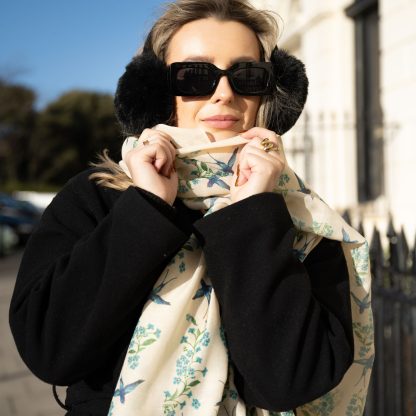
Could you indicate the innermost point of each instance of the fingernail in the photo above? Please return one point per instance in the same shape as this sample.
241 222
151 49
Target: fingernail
238 175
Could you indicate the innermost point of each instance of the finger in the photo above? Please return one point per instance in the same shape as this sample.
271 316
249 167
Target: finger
162 134
173 178
260 132
146 135
172 154
269 147
244 172
257 161
161 162
252 146
265 139
157 145
243 177
156 153
172 150
260 141
272 155
166 139
152 139
267 162
244 169
150 135
167 166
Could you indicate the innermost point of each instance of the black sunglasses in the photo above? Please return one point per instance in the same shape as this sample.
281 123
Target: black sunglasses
198 79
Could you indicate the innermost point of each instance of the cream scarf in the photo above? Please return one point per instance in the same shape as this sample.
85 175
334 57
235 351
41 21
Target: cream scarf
177 361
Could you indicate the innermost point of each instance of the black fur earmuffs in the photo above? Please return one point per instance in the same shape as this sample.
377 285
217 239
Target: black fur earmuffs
143 100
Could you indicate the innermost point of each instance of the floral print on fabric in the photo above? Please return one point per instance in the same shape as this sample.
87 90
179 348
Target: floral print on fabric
122 390
324 406
154 294
356 406
230 398
190 369
184 369
360 256
142 338
214 171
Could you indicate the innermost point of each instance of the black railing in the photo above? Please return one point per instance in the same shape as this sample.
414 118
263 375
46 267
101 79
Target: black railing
392 390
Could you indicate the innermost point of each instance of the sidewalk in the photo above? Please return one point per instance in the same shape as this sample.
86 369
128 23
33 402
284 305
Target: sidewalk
21 393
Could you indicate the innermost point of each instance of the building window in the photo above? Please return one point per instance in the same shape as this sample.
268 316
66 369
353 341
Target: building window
369 117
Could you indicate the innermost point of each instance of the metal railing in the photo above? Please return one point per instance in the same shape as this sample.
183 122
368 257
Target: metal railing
392 390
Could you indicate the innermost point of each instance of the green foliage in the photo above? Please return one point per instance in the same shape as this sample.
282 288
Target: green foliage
17 122
11 186
50 146
70 132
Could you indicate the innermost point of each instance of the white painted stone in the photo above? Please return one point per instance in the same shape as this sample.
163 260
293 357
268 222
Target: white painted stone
322 36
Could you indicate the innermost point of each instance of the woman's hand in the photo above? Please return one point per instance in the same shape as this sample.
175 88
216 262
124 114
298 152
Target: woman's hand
257 170
151 165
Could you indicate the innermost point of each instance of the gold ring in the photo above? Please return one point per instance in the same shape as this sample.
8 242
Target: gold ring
269 145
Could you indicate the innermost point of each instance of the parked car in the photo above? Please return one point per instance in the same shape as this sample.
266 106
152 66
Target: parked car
21 216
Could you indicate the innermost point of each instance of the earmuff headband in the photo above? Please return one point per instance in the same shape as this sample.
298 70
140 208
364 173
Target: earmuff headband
143 97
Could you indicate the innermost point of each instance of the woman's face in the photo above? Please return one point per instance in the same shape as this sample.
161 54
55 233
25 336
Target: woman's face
224 113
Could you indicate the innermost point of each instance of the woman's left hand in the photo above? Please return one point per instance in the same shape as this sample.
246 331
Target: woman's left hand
257 170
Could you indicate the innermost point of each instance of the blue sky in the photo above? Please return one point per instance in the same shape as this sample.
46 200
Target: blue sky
54 46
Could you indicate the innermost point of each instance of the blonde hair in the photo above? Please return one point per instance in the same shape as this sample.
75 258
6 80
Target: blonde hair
176 14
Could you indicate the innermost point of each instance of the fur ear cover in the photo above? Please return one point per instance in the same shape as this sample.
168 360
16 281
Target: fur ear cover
292 90
142 98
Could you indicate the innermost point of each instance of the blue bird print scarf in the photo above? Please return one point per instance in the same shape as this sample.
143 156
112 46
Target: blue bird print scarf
177 361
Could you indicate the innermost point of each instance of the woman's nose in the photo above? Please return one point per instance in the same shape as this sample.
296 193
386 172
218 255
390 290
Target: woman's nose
223 92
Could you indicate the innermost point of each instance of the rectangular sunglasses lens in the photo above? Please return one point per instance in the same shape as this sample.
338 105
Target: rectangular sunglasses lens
193 80
251 80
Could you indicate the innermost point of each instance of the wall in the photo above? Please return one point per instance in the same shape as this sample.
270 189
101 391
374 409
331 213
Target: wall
398 79
322 36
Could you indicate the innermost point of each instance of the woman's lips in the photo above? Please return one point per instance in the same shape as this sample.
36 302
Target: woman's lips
220 122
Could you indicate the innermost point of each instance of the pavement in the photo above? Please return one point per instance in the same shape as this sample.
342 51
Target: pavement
21 393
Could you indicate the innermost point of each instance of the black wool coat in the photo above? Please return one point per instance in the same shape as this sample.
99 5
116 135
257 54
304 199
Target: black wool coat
89 267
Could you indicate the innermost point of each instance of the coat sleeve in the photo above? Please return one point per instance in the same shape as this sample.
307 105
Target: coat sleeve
287 323
85 275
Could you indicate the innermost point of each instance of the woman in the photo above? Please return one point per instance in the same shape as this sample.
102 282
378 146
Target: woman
139 302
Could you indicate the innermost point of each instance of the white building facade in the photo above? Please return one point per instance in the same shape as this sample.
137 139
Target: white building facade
355 142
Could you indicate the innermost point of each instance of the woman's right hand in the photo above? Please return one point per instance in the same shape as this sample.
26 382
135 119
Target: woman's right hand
151 165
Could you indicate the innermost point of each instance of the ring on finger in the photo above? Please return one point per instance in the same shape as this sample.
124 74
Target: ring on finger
269 146
148 140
